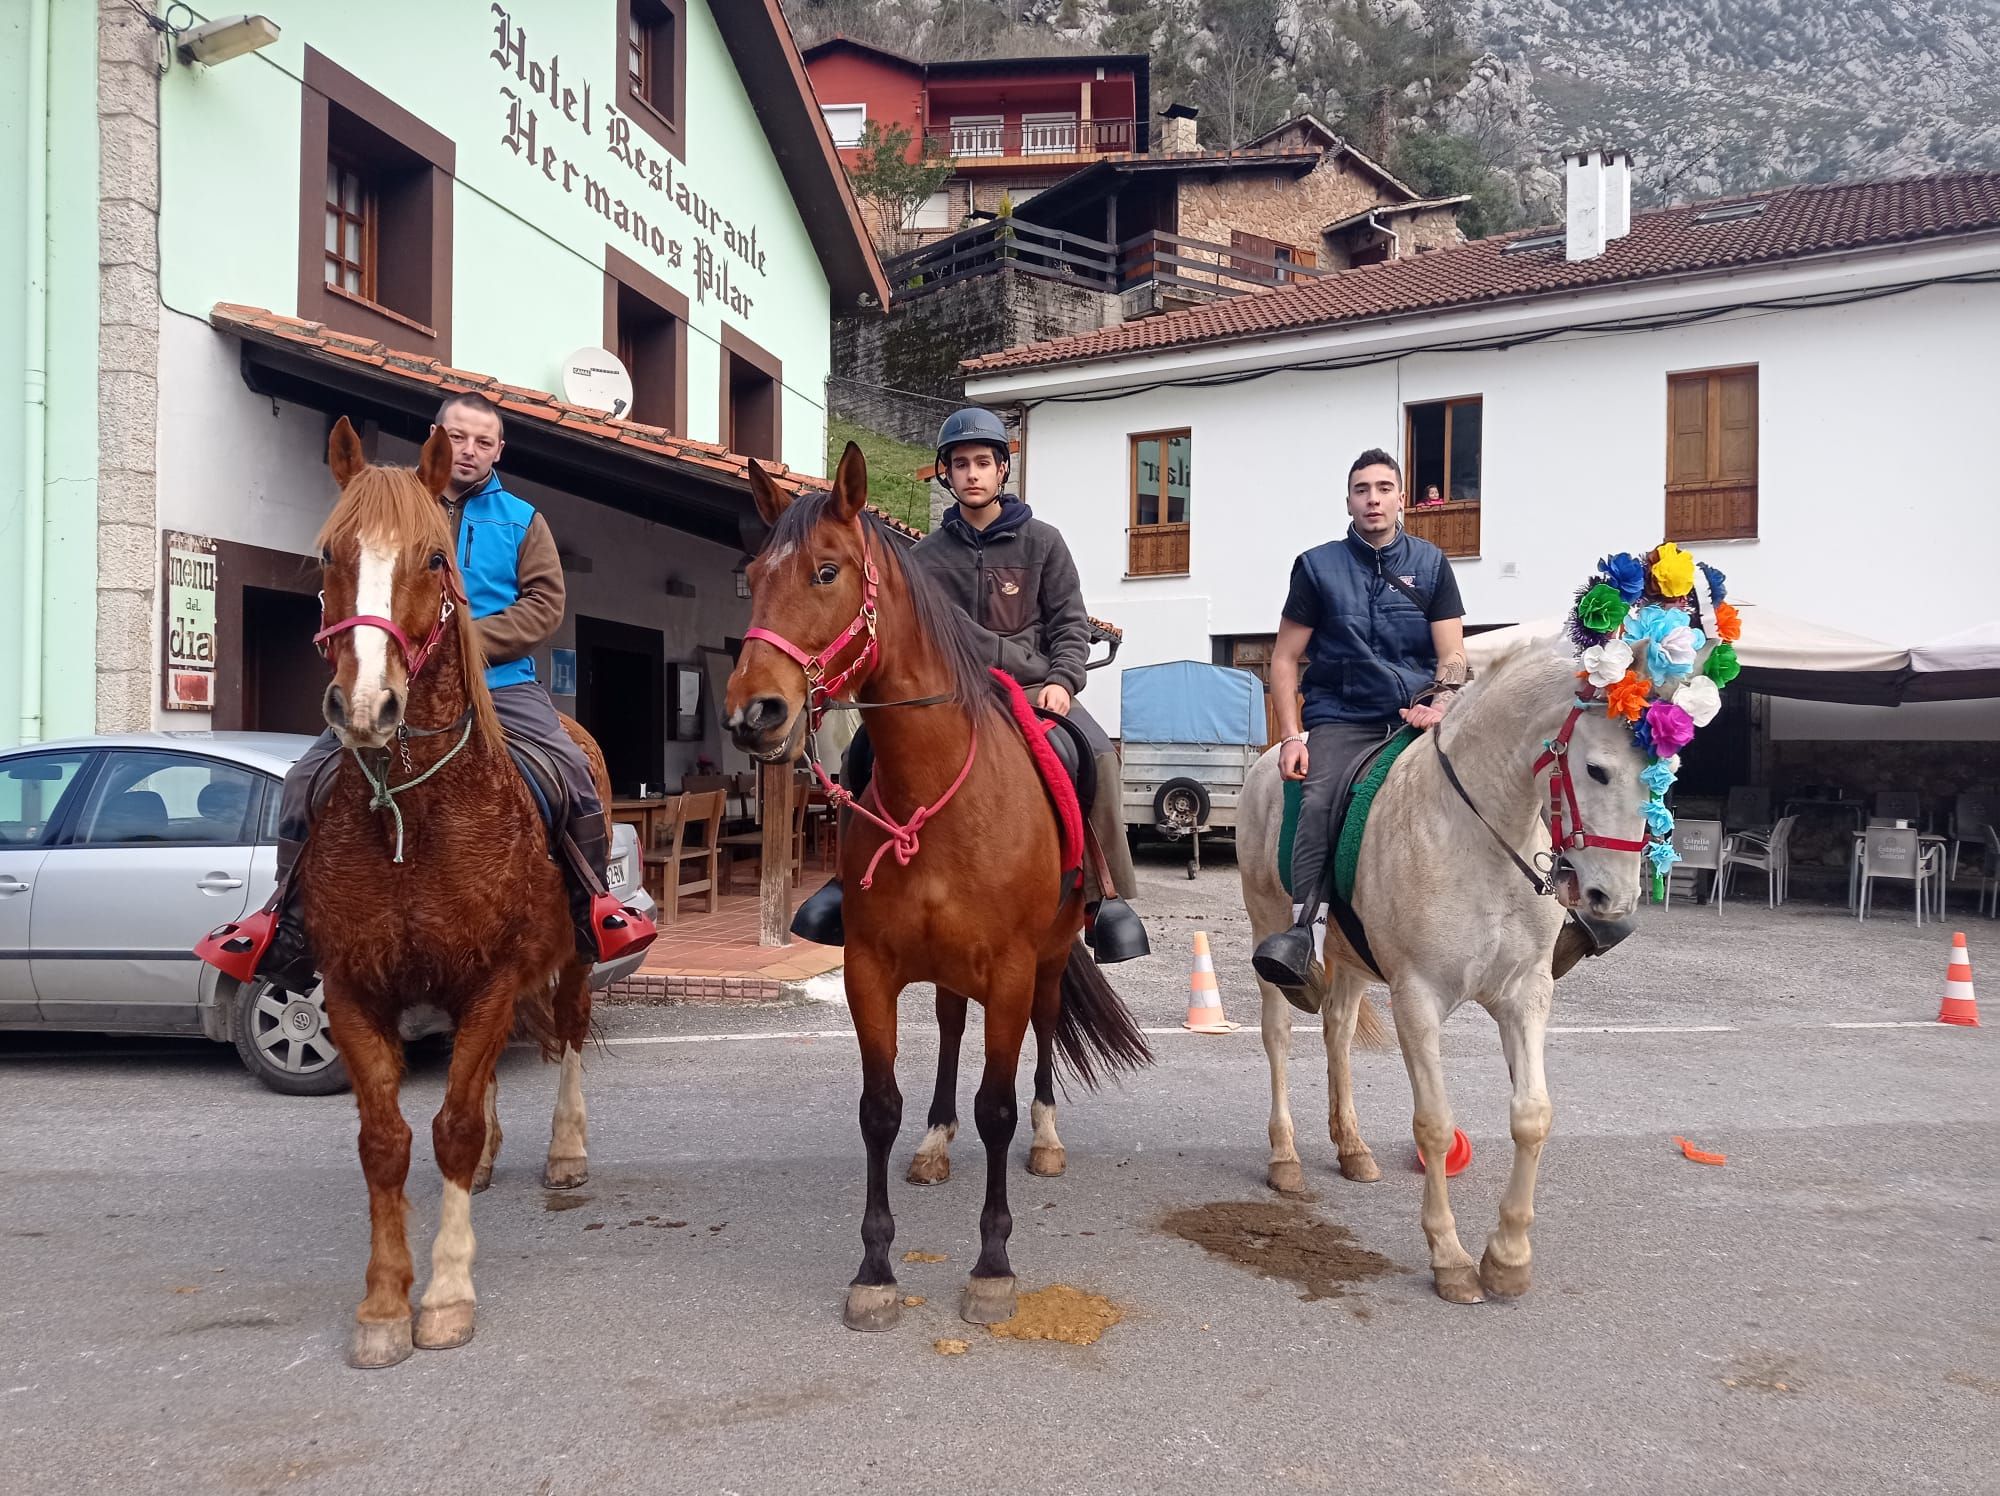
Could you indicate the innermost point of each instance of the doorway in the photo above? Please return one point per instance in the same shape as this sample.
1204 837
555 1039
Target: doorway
283 676
621 699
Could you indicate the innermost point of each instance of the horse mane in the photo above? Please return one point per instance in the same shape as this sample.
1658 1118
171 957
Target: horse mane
387 506
1521 679
953 635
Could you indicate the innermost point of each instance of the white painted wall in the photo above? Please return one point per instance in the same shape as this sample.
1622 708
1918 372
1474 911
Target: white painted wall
1879 509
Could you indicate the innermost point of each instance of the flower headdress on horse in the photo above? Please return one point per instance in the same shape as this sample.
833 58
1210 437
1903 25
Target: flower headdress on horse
1655 641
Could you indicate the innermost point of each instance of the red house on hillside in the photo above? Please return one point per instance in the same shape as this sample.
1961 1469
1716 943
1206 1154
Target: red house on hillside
1012 126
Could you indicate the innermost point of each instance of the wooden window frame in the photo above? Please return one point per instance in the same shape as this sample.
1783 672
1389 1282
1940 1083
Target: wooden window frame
1453 526
424 150
622 273
367 218
667 126
736 349
1677 520
1159 536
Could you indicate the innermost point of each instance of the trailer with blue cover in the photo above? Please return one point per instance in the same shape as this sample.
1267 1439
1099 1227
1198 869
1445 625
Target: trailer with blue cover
1188 734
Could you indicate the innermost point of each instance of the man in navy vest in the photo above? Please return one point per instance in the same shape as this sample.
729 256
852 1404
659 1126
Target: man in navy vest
1377 618
514 584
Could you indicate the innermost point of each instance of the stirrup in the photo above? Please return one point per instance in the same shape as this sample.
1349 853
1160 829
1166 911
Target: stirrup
1114 932
819 918
1285 960
237 948
619 929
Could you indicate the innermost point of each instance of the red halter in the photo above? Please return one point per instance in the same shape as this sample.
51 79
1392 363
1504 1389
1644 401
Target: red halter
449 596
1562 790
820 689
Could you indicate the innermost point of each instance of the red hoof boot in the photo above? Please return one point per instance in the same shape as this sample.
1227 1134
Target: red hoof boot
235 949
620 929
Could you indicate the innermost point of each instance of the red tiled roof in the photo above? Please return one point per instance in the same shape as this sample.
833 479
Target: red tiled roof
1796 222
703 460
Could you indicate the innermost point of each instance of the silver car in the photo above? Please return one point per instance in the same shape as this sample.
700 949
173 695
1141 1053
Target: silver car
118 853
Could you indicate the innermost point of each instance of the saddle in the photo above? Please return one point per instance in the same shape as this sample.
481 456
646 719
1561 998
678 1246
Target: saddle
1351 805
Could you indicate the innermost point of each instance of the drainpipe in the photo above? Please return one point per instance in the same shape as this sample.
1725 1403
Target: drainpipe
35 214
1395 239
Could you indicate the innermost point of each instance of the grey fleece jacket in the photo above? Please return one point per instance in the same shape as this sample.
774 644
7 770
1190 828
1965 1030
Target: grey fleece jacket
1017 583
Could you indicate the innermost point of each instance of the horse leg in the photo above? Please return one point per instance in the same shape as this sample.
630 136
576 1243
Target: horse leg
1418 1018
1338 1015
1284 1173
458 1136
1046 1154
989 1292
569 1162
1523 1022
483 1175
932 1165
872 1303
375 1068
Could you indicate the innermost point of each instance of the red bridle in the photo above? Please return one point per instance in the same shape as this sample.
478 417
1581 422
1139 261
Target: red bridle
820 688
1562 792
449 597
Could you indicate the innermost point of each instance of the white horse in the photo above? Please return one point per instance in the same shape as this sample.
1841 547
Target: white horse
1451 916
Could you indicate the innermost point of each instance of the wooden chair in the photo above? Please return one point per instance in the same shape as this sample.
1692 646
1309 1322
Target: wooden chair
802 786
692 836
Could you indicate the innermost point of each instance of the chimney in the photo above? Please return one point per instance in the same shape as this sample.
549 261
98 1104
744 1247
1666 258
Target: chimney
1177 131
1583 174
1617 194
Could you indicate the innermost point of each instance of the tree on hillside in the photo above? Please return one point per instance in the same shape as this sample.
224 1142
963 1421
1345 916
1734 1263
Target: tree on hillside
1439 164
891 183
1244 87
1372 72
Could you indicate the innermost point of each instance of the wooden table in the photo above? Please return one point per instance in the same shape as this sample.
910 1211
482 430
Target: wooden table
644 814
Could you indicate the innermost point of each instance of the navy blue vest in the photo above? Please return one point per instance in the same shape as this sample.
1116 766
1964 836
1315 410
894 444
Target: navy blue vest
1371 651
490 536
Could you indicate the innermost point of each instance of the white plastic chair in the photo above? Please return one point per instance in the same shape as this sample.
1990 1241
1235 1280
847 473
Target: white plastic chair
1970 815
1989 875
1900 853
1767 851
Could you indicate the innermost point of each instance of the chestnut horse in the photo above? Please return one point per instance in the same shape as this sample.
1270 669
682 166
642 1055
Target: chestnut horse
428 880
970 893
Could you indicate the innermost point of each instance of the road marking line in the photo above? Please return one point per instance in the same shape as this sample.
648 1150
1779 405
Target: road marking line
1895 1023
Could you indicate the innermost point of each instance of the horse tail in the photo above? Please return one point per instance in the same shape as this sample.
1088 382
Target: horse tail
1370 1032
1094 1030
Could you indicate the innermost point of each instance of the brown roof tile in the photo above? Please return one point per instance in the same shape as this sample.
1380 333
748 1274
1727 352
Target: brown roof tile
1796 222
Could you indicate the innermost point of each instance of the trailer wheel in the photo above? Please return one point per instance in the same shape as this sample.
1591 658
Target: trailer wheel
1180 806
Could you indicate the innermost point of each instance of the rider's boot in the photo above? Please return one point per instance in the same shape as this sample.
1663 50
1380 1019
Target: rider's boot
270 943
1114 932
818 919
605 929
1580 937
1287 960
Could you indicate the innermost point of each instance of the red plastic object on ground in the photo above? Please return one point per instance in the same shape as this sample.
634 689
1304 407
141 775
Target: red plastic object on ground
1456 1159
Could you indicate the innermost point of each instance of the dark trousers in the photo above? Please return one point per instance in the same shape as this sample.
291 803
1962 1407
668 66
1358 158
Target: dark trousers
524 710
1332 754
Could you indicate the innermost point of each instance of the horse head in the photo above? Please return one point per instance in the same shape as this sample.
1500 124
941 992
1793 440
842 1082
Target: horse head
812 611
1601 882
390 594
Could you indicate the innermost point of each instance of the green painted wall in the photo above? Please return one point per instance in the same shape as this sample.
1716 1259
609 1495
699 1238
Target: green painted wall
528 255
69 534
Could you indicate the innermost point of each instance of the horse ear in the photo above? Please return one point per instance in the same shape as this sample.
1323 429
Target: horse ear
343 452
434 462
772 501
850 485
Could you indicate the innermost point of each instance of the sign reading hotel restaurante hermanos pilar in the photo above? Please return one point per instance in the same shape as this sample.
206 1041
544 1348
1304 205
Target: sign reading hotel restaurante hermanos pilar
637 187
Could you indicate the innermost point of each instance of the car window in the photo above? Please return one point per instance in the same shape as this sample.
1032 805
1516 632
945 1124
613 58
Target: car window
144 798
31 790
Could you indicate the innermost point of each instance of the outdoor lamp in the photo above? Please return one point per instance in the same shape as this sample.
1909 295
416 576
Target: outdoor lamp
218 41
743 577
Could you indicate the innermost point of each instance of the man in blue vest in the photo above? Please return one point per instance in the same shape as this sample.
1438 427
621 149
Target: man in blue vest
514 584
1377 618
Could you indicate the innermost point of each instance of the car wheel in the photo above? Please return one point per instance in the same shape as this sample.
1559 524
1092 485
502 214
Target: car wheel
283 1040
1180 806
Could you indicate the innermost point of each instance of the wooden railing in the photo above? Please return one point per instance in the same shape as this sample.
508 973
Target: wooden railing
1453 528
1061 137
1156 551
1204 267
1712 513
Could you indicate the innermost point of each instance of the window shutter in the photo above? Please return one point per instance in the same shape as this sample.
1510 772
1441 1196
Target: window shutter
1687 431
1733 441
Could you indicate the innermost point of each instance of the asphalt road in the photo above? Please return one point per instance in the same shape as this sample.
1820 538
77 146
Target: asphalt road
181 1253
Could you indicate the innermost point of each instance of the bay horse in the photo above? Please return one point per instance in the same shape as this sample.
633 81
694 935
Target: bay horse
1451 919
967 891
428 881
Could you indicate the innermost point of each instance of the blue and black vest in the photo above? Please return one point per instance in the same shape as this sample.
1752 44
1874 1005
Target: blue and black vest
491 530
1371 651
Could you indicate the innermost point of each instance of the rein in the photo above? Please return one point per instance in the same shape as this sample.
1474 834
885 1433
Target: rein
385 794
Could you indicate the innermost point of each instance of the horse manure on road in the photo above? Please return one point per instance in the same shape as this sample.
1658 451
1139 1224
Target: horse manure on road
949 1347
1281 1239
1059 1312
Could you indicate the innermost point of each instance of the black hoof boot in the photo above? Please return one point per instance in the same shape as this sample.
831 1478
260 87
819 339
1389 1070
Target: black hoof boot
1114 932
818 919
1285 959
1580 937
289 961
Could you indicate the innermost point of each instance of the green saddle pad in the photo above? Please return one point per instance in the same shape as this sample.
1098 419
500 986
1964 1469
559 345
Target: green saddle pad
1353 824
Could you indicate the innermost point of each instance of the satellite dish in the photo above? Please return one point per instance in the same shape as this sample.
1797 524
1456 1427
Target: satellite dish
594 379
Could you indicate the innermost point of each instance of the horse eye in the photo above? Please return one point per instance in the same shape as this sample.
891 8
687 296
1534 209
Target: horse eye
826 573
325 557
437 560
1599 775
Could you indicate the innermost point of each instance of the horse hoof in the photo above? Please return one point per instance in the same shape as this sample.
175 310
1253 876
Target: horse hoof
1049 1162
987 1301
1458 1285
929 1168
481 1178
1502 1281
565 1173
1287 1177
444 1327
872 1306
1360 1167
376 1345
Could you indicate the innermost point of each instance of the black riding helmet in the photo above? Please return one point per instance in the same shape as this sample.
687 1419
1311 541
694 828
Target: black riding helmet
973 424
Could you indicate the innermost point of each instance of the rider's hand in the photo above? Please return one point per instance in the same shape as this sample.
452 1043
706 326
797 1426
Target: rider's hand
1053 698
1422 716
1292 759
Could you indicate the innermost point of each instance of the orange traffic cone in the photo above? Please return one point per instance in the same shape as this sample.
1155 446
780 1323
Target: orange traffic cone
1960 1006
1204 997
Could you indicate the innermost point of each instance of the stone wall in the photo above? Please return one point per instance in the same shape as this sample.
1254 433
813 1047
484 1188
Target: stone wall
1429 229
1938 772
128 540
1275 204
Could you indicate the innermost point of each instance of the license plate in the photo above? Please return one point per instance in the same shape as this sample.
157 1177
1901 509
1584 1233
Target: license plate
616 873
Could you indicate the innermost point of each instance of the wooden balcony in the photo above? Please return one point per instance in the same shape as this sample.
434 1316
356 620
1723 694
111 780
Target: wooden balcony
1041 142
1156 551
1712 513
1453 528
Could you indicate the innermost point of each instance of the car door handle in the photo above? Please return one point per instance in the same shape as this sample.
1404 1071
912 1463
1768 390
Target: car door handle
10 885
218 883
